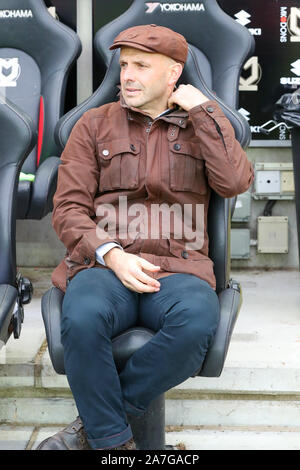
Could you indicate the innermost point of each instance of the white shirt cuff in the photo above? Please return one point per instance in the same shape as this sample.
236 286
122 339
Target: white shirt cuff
103 249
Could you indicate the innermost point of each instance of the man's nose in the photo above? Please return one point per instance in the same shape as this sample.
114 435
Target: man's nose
128 74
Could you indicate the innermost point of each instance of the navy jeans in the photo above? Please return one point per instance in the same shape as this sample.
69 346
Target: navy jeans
184 314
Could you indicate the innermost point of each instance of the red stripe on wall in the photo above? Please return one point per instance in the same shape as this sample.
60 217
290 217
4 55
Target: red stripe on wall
40 131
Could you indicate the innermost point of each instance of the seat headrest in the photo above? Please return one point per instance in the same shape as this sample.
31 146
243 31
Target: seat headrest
204 25
27 25
36 55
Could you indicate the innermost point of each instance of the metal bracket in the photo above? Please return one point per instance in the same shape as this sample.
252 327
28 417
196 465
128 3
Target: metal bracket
232 284
25 291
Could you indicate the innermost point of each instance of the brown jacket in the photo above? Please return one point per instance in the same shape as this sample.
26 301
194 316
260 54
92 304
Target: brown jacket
174 160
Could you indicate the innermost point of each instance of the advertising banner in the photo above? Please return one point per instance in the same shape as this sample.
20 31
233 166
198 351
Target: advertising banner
275 67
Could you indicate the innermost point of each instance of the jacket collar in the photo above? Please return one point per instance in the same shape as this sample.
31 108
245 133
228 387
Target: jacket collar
178 117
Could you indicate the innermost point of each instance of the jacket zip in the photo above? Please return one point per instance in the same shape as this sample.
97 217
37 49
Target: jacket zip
148 129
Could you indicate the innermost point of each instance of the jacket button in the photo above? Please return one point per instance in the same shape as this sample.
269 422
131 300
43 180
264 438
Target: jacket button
177 146
184 254
132 147
87 260
210 109
105 152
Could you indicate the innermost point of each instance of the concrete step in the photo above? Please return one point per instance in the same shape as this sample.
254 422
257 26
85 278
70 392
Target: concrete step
235 438
14 437
204 410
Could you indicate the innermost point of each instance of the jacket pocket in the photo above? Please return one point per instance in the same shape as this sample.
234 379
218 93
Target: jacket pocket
119 164
187 167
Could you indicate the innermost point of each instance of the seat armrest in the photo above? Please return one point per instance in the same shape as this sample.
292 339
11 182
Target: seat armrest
23 198
230 303
43 188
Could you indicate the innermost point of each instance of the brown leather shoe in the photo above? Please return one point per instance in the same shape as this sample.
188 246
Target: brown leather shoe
72 437
129 445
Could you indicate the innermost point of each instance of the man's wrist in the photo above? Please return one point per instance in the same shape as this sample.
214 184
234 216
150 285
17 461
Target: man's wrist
103 249
110 256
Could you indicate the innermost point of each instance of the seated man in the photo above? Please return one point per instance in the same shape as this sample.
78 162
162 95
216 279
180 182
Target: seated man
157 147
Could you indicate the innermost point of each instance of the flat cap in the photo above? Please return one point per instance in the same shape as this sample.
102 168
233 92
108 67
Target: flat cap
153 38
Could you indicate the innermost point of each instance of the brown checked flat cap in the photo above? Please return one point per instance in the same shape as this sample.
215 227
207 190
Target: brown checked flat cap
153 38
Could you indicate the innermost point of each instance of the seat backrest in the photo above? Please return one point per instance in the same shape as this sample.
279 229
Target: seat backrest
17 138
36 54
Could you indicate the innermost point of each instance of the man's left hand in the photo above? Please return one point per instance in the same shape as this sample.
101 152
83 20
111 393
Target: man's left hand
187 97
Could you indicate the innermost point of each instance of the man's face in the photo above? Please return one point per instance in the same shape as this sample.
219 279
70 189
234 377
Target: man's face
145 79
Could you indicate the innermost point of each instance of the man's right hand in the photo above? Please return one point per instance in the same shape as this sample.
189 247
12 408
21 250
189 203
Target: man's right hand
129 269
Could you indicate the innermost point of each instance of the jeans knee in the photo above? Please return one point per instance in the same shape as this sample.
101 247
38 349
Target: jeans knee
199 320
81 317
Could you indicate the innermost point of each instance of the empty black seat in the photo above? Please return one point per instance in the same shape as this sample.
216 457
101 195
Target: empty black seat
36 55
17 138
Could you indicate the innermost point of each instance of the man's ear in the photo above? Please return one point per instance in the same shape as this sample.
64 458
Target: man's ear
175 72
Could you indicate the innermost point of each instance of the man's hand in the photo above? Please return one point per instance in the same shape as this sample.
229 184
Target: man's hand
129 269
187 97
